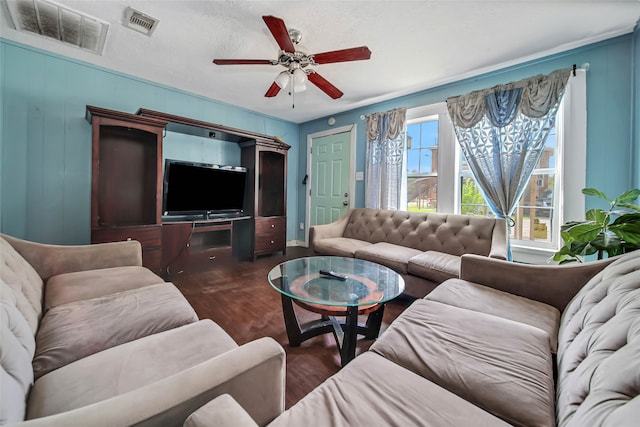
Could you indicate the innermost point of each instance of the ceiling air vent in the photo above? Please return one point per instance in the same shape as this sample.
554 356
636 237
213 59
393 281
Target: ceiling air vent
139 21
55 21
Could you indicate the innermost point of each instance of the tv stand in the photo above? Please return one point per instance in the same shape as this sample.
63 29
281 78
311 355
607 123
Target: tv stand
127 183
200 244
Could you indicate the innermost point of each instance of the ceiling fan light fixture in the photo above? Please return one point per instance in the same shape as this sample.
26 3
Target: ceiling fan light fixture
300 87
299 80
282 80
294 58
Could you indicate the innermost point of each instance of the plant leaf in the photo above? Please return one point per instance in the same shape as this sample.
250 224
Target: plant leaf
596 193
584 232
620 212
627 218
568 225
597 215
558 256
566 237
629 232
615 251
630 206
606 241
582 248
628 196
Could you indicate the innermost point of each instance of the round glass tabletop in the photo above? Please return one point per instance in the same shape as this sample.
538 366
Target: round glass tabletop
364 282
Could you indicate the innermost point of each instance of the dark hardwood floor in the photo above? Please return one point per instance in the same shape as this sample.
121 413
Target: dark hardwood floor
239 298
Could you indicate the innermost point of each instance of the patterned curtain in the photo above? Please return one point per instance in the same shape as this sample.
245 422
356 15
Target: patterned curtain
386 175
502 131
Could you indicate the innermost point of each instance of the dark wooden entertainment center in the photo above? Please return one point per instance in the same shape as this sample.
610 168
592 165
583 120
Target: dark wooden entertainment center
126 192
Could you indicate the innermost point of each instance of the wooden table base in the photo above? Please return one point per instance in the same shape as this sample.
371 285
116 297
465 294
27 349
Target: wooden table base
345 333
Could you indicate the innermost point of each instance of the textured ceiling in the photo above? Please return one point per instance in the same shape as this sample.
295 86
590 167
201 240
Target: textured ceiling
415 45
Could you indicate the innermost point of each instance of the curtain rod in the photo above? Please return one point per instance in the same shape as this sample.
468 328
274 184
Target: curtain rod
584 67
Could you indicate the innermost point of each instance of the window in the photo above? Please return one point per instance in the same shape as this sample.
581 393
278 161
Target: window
422 165
441 181
536 216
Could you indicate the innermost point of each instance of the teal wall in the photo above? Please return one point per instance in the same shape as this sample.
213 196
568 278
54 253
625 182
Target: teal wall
45 158
610 120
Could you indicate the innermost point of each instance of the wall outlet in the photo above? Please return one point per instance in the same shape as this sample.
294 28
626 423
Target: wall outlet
302 226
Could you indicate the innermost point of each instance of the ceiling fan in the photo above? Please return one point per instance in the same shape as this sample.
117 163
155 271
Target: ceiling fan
296 62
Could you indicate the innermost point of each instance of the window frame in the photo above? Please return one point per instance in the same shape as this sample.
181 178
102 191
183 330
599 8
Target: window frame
571 135
447 150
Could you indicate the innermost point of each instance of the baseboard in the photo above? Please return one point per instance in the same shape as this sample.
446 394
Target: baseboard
297 243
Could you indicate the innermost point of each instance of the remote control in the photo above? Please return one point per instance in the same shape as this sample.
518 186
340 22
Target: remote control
333 275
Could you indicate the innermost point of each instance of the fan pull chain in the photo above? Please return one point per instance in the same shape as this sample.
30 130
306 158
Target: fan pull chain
293 92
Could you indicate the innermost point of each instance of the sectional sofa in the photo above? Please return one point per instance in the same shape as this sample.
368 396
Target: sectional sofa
505 344
425 248
90 337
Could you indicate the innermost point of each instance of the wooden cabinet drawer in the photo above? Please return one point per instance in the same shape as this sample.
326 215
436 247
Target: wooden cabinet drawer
270 242
275 224
210 258
147 236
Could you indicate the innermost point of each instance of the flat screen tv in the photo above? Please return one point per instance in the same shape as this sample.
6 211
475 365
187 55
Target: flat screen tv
203 190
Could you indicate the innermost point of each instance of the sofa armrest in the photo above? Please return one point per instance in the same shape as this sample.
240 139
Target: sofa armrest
551 284
223 411
333 229
51 260
253 374
499 240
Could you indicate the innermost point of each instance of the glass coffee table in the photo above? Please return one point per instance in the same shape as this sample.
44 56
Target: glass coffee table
335 287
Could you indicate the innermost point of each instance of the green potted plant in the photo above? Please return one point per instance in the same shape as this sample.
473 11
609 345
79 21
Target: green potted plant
613 231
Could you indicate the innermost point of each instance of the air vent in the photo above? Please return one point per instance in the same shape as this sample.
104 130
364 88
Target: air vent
55 21
139 21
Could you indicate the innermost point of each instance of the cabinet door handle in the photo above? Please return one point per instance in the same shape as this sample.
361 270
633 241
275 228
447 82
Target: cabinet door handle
272 242
273 226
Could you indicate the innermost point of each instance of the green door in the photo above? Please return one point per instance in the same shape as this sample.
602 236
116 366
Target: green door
330 160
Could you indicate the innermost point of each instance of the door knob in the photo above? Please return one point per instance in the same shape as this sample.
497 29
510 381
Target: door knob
345 203
346 194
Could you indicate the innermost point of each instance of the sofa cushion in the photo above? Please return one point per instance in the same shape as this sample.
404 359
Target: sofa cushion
81 285
454 234
598 347
75 330
339 246
372 391
17 346
502 366
120 369
393 256
472 296
435 266
27 285
223 411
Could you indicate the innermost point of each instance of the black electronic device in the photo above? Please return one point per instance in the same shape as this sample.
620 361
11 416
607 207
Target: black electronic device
201 190
333 275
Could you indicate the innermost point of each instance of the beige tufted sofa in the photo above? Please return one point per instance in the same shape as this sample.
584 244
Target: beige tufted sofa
425 248
506 344
89 337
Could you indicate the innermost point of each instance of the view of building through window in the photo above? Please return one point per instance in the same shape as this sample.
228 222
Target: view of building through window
422 166
535 211
534 215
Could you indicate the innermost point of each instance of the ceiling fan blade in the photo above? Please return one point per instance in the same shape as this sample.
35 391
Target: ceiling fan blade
273 90
242 62
280 33
344 55
324 85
